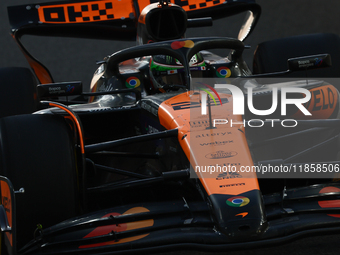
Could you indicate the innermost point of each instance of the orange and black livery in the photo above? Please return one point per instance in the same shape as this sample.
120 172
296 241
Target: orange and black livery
156 155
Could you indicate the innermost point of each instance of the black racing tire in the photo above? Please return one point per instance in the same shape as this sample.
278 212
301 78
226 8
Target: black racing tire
272 56
37 153
17 91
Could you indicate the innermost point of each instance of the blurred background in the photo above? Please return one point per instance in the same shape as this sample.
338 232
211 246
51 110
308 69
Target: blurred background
75 59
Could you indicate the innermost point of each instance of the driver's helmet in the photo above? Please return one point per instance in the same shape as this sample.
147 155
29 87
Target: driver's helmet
168 73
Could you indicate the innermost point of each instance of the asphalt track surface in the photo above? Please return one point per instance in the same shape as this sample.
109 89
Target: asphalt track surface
74 59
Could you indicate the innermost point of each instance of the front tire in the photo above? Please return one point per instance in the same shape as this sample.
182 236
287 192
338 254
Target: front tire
37 153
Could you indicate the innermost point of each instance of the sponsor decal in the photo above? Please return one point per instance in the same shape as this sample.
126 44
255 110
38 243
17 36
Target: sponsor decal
323 98
244 214
305 63
192 105
221 154
330 203
232 185
105 230
58 90
6 201
217 143
55 90
193 5
150 108
309 63
228 175
238 201
322 104
223 72
199 123
69 88
318 61
212 134
172 71
132 82
180 44
84 12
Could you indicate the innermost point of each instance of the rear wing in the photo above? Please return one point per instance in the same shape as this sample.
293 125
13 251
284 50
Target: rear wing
108 19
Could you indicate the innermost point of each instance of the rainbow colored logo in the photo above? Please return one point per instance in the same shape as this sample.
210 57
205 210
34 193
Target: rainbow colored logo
238 201
132 82
223 72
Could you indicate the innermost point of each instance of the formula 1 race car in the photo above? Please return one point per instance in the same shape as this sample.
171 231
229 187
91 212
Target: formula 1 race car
174 146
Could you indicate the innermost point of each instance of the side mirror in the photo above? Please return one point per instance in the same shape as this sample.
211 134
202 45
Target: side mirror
59 89
309 62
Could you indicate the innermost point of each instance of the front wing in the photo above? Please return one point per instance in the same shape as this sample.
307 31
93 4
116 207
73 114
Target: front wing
155 227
